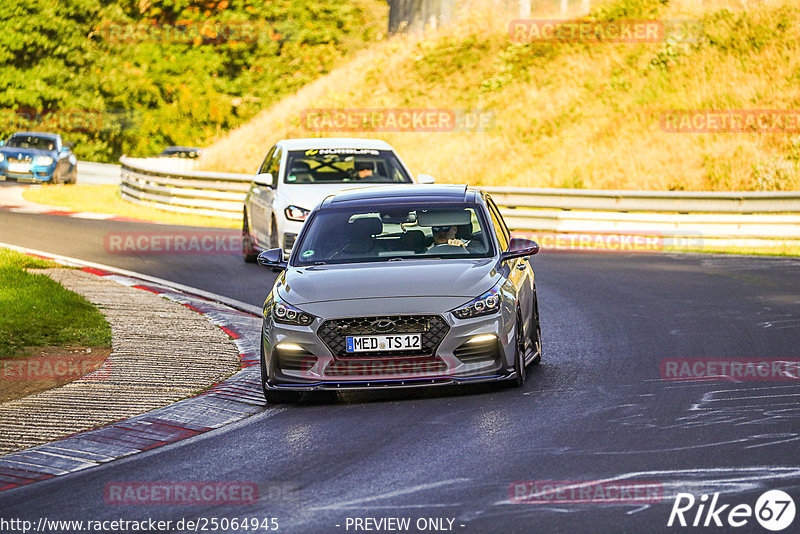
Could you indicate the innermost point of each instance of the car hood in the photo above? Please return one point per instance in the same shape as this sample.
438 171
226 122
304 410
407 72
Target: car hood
460 280
25 152
309 195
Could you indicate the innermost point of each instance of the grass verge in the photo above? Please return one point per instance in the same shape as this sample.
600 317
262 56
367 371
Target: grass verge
38 311
106 199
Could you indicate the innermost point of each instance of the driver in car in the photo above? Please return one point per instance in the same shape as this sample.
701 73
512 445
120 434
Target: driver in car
446 235
362 169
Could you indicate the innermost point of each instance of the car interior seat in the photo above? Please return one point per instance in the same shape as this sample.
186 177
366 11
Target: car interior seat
361 235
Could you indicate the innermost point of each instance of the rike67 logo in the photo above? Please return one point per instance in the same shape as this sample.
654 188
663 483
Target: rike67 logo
774 510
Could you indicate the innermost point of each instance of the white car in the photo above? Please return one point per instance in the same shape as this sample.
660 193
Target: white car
298 174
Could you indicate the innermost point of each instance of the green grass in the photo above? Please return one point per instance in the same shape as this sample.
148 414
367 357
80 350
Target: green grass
38 311
106 199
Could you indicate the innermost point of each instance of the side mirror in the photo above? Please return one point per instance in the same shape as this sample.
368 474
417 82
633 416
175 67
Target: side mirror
264 179
272 258
520 247
425 179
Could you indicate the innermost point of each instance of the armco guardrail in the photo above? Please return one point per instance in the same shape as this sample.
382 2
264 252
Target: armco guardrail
98 173
170 184
754 216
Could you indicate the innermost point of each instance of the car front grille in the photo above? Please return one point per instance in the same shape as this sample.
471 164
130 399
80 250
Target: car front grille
478 352
433 328
387 367
294 360
23 160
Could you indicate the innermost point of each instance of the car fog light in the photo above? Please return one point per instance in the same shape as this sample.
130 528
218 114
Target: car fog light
482 337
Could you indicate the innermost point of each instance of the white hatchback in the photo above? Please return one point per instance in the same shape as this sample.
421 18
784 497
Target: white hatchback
297 174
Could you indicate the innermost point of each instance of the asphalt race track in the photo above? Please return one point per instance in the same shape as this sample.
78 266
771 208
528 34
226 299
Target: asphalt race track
596 409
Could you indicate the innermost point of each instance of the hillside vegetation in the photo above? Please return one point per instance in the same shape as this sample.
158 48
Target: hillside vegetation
133 76
571 114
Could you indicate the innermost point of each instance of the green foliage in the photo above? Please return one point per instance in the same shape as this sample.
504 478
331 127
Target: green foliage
132 76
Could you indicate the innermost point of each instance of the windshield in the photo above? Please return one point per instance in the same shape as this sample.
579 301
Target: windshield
31 141
394 233
344 165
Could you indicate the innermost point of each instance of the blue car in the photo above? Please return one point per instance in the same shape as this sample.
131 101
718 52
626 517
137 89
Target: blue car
37 157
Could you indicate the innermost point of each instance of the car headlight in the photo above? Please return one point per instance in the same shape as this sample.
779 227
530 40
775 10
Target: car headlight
43 160
2 158
284 313
487 303
296 213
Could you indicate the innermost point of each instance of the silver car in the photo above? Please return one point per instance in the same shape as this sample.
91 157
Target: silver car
298 173
400 286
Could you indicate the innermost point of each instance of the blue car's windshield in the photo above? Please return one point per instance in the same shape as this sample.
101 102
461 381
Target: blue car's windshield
393 233
32 141
344 165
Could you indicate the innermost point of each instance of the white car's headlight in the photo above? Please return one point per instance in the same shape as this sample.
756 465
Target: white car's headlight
296 213
281 312
487 303
43 160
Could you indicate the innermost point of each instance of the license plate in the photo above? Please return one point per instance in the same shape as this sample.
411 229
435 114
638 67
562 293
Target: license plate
19 167
388 342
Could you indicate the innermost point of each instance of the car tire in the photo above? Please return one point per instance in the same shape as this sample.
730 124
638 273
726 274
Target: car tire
273 235
281 397
519 354
536 338
249 254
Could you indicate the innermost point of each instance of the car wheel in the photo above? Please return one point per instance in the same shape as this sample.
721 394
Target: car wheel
249 254
273 235
536 338
280 397
519 354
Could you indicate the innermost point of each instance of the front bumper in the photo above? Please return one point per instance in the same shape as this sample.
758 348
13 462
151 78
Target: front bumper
389 383
35 173
313 365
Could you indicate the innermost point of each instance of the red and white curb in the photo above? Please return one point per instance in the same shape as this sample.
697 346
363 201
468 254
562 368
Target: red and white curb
234 399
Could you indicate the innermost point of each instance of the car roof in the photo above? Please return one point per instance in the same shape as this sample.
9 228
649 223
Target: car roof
333 142
390 194
37 134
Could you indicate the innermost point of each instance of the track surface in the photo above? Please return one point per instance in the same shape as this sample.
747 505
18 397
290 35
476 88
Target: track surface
595 409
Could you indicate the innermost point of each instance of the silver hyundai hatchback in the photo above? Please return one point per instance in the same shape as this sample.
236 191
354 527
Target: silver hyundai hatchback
400 286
